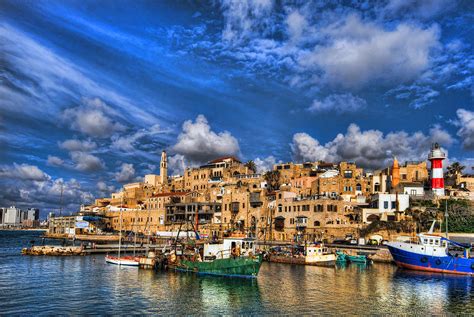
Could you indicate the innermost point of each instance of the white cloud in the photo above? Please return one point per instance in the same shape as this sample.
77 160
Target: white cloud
466 128
358 53
23 172
297 24
371 148
417 8
198 143
77 145
265 164
55 161
104 188
86 162
242 18
338 103
93 118
126 173
127 143
177 164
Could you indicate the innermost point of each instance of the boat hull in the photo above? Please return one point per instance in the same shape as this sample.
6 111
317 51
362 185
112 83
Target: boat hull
327 261
122 261
247 267
424 262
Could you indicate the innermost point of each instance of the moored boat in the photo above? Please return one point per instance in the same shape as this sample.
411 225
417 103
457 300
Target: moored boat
235 257
316 254
123 261
431 253
360 258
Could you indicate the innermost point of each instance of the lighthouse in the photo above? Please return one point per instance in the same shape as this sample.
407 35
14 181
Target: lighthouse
436 157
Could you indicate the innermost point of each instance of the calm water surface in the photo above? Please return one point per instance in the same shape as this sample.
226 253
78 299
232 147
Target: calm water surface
86 285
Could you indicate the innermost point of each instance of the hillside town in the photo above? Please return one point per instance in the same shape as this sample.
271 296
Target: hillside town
293 201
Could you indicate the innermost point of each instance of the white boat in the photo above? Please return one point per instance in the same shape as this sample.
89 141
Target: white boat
319 255
122 261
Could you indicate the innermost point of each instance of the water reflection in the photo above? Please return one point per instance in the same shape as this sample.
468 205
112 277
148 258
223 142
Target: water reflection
87 285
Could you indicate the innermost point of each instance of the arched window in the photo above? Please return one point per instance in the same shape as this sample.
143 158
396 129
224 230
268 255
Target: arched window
372 218
317 223
280 207
359 187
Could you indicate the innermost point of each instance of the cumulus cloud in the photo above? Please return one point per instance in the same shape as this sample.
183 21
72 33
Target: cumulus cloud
358 53
23 172
86 162
338 103
265 164
104 188
46 194
125 174
198 143
296 24
466 128
93 118
77 145
371 148
177 164
55 161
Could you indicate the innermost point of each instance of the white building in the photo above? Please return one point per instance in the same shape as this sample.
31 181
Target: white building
413 189
384 206
12 216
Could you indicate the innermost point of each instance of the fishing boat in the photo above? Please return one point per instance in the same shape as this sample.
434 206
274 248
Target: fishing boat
431 253
316 254
360 258
234 257
341 257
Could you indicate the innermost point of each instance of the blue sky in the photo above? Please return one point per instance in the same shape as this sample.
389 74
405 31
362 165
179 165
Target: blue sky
91 92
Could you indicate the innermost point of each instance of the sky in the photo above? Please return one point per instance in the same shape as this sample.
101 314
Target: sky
91 92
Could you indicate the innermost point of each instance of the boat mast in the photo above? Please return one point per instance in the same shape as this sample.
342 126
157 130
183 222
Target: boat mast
120 227
446 217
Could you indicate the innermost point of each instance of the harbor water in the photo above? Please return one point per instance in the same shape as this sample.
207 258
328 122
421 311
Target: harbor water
87 285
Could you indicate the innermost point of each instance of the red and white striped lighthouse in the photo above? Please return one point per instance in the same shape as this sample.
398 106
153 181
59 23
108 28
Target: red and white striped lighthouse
436 158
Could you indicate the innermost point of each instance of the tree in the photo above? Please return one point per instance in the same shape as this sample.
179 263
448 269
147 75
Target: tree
273 180
455 169
251 166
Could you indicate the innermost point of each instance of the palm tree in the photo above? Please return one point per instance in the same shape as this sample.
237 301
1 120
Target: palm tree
251 166
455 169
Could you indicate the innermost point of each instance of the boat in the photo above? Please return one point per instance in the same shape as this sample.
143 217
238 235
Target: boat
360 258
316 254
431 253
234 257
341 257
123 261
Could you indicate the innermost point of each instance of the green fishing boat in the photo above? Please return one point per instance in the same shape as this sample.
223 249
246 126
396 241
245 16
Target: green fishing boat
341 257
235 257
357 258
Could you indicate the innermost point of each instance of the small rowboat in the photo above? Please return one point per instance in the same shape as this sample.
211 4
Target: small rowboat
122 261
357 258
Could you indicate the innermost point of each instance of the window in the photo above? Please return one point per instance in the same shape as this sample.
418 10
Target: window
279 208
404 176
317 223
348 174
385 205
394 205
292 221
359 187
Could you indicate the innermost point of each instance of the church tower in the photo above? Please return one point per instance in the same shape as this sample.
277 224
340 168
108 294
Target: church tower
164 168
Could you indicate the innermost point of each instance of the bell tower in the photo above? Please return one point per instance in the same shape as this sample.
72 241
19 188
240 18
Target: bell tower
164 168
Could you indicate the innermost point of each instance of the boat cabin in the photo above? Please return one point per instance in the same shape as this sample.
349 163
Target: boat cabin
433 241
229 248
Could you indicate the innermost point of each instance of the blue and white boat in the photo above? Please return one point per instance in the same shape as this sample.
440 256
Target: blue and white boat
430 253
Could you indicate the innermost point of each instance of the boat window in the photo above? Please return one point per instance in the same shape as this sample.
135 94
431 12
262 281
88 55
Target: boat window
431 241
425 241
